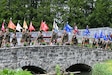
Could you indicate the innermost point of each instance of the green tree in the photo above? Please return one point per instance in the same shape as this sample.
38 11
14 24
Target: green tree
100 17
95 13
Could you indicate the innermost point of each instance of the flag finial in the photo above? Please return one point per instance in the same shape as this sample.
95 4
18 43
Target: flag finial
10 18
18 21
4 20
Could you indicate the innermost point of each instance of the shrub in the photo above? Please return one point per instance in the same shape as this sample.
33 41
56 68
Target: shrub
57 69
7 45
44 43
25 44
14 72
32 43
79 44
104 68
57 43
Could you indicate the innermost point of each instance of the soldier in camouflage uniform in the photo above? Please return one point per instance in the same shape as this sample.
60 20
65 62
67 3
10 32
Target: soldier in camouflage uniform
40 38
54 37
74 40
7 36
14 40
64 37
28 39
24 36
1 38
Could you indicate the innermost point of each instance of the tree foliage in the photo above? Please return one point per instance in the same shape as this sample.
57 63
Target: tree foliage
95 13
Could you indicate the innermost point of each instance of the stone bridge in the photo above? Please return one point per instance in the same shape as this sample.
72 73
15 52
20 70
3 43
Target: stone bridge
46 57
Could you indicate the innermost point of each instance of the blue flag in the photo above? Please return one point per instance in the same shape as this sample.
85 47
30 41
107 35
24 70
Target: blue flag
96 36
86 32
105 38
101 35
68 28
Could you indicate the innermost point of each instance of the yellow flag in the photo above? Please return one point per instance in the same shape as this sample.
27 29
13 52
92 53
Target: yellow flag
25 25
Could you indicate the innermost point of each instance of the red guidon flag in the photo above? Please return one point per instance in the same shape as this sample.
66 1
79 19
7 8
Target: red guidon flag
31 27
3 27
44 26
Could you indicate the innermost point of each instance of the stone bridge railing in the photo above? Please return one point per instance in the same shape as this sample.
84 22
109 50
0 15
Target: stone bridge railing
47 57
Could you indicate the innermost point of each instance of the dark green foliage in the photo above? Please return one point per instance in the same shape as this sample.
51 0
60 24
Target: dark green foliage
82 12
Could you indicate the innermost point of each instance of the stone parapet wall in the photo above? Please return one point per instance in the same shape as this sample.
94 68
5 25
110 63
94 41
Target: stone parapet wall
47 57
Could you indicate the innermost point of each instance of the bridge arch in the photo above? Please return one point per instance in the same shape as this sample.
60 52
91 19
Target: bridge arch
79 67
34 69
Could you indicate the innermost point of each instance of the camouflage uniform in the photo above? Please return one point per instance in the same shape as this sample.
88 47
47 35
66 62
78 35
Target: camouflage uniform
65 38
1 38
100 43
40 39
14 40
7 37
24 36
74 40
28 39
94 44
54 37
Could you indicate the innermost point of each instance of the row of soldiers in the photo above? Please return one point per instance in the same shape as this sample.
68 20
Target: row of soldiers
97 43
27 38
5 38
102 44
64 38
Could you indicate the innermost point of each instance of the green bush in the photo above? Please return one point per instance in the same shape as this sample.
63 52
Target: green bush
14 72
44 43
25 44
104 68
79 44
7 45
32 43
57 69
